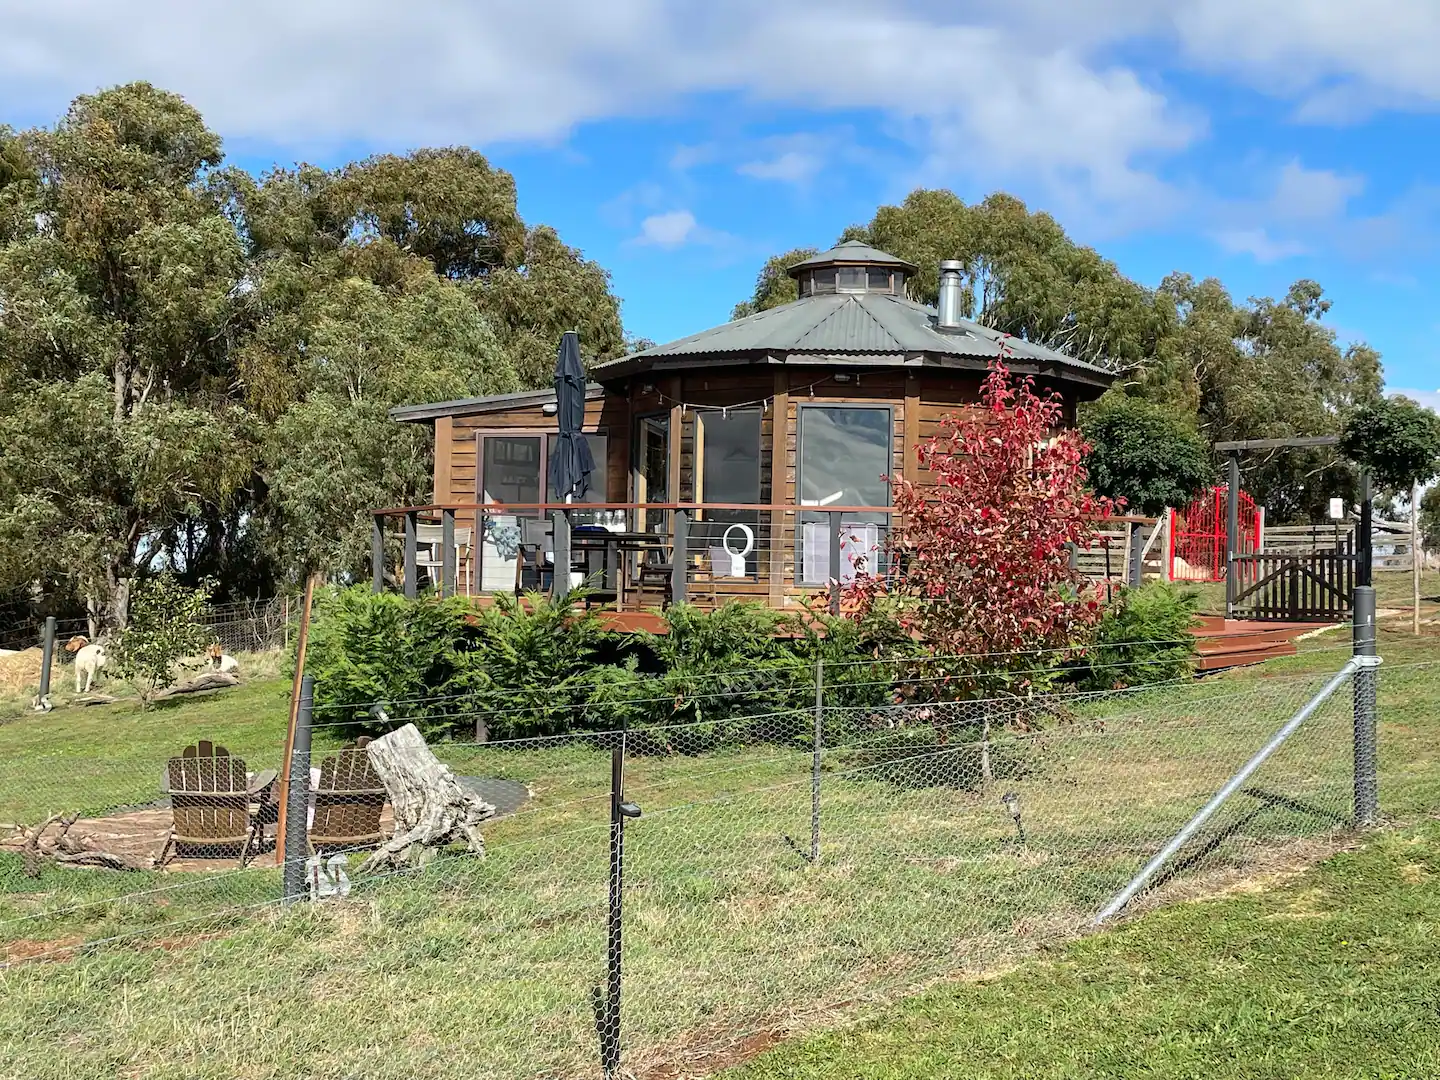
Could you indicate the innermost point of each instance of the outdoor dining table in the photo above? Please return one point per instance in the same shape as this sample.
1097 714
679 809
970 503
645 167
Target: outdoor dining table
601 551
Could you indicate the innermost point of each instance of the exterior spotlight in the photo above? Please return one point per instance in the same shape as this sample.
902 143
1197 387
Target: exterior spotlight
377 712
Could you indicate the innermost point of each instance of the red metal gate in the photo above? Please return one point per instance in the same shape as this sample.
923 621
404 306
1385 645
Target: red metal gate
1197 536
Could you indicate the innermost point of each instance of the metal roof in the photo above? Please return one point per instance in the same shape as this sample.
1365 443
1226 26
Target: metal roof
478 405
851 251
843 324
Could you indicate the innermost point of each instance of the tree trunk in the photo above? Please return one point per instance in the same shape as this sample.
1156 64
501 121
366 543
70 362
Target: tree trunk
431 808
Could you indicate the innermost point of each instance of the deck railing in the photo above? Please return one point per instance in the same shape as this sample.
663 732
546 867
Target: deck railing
645 555
634 555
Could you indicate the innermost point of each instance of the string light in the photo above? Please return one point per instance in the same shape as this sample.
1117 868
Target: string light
764 403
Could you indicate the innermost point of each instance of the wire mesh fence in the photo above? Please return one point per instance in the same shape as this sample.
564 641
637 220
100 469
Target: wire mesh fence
790 863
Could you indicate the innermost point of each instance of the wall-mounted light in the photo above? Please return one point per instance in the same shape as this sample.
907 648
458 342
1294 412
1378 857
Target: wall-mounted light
550 408
841 376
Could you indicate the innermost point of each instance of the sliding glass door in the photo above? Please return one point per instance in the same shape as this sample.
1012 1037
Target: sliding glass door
728 471
845 454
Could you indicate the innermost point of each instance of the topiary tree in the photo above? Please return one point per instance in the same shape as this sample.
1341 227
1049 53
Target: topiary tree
1397 440
1145 453
166 624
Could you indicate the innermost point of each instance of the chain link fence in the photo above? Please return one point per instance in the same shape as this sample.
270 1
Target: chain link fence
789 862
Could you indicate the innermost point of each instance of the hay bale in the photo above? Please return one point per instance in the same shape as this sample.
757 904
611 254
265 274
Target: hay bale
21 670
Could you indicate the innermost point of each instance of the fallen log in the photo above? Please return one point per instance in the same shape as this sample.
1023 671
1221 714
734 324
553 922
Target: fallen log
68 850
431 809
210 680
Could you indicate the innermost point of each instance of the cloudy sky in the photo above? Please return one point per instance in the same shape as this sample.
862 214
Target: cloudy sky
680 142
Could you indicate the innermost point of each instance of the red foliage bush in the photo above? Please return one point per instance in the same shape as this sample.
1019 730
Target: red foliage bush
980 564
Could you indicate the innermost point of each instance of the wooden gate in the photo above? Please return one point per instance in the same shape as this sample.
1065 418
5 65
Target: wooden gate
1288 586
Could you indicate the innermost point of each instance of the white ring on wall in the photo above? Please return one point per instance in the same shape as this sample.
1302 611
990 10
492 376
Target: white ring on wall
747 533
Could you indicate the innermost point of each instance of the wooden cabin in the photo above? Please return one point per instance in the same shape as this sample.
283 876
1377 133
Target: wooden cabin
762 446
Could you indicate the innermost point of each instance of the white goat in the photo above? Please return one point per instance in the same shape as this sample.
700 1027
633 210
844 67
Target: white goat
222 661
89 659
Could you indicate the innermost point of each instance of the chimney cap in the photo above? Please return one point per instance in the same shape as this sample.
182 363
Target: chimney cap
951 264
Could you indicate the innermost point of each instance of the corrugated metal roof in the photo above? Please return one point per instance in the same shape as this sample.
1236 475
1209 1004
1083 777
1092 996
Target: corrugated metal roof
852 251
839 323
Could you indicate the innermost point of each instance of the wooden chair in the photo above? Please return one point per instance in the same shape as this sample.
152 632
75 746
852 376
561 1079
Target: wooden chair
210 801
348 801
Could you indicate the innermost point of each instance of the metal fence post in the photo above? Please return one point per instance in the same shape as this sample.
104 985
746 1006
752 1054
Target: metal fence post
815 760
1232 533
607 1005
1367 784
47 659
297 841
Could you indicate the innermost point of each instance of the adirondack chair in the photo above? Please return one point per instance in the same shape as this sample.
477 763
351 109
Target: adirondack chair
348 800
211 801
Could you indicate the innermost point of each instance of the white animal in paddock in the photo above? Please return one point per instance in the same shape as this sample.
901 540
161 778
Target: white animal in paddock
222 661
89 659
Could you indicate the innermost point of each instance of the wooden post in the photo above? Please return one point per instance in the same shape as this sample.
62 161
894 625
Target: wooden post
836 524
295 693
560 546
448 579
1415 556
779 491
377 553
679 557
412 573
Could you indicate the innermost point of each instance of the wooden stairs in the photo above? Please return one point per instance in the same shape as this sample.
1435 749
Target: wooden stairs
1226 643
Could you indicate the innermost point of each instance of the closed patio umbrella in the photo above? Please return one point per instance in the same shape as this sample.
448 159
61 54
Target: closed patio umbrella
571 462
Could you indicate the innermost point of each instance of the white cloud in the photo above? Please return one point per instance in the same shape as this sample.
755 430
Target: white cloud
1258 244
976 98
1313 194
670 229
790 167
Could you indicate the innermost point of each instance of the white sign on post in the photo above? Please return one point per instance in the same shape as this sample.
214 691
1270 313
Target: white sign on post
1337 509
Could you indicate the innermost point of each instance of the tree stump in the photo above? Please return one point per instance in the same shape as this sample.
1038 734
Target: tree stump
431 808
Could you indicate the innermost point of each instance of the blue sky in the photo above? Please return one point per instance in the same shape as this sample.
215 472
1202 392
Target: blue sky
680 143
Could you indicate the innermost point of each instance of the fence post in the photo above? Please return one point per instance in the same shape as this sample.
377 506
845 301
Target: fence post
1365 540
835 526
679 557
1367 784
560 554
297 802
607 1006
47 658
377 553
448 579
815 760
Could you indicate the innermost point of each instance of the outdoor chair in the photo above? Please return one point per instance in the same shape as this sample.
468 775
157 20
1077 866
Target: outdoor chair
214 805
534 562
348 800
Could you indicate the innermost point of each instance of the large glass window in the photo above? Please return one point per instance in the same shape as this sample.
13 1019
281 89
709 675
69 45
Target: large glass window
845 458
511 469
729 472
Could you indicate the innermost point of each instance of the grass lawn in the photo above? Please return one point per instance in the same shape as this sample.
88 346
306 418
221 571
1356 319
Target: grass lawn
483 968
1332 974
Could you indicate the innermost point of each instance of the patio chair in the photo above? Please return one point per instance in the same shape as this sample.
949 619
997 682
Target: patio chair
212 801
348 802
534 562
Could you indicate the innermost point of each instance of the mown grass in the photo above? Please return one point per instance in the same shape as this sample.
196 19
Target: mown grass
483 968
1332 974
